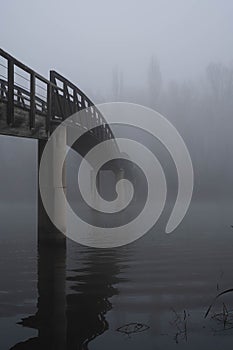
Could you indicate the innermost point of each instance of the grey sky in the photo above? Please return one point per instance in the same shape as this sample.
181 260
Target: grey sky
84 40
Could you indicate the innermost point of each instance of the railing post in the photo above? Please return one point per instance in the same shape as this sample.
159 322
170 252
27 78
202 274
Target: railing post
10 97
52 94
49 108
32 113
2 90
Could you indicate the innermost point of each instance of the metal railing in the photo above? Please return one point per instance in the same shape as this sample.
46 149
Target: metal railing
58 98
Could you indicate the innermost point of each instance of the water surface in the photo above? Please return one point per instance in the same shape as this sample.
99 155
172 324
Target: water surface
84 298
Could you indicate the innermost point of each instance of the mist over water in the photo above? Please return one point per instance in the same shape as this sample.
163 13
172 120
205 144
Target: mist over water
175 57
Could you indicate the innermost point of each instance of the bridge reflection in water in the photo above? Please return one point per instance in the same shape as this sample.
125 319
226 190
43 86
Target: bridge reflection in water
71 311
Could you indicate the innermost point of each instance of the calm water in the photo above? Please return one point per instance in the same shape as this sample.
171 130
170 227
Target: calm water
83 298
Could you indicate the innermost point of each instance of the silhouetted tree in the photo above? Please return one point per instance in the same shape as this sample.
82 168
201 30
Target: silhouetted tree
154 82
117 84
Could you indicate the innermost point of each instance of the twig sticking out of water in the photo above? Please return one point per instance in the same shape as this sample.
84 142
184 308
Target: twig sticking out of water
220 294
225 317
181 325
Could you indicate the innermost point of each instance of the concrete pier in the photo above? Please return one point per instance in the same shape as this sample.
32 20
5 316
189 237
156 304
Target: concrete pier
47 232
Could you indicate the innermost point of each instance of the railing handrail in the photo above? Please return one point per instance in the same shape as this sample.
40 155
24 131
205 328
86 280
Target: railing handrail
52 93
21 65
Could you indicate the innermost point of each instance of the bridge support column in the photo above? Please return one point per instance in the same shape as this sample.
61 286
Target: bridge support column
122 190
47 232
51 313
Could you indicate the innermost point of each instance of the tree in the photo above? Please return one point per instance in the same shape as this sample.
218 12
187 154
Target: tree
154 82
220 78
117 84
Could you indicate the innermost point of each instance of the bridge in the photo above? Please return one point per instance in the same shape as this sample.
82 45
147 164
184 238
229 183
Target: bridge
32 106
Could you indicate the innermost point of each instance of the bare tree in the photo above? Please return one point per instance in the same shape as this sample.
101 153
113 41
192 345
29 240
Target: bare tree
154 82
117 84
220 78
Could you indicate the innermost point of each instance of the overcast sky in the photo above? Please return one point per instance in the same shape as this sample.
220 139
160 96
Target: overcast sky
84 40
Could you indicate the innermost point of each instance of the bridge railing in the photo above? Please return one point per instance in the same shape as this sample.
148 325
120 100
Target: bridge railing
54 99
68 99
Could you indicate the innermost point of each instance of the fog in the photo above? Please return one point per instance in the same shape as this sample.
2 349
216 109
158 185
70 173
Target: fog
85 40
176 57
173 56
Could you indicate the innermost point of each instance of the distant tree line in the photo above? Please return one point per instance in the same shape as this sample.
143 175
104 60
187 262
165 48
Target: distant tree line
202 111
